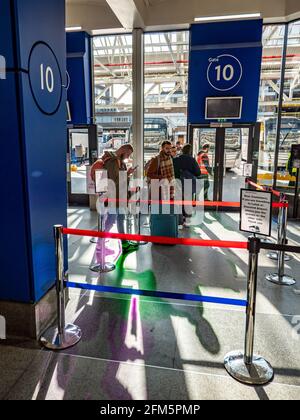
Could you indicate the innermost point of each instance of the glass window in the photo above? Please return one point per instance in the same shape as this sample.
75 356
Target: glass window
290 126
273 39
166 84
113 89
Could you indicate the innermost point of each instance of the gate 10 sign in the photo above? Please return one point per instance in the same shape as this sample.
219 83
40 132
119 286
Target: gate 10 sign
45 78
225 61
224 72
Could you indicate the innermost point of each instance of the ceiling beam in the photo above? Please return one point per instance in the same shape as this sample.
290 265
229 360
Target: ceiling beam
129 15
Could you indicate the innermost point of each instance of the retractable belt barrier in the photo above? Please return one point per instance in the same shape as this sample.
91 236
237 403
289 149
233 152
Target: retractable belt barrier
229 204
264 188
158 239
243 366
279 278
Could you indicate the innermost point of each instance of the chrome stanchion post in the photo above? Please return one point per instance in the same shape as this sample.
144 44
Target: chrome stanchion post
244 366
95 240
62 336
280 278
281 231
136 221
103 267
139 227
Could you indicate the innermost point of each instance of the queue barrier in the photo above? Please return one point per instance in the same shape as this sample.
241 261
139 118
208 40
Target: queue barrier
244 366
192 203
279 278
264 188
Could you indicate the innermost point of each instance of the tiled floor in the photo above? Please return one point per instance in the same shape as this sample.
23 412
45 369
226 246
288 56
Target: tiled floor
150 348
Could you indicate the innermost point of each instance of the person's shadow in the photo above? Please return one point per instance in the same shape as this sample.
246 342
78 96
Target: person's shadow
135 313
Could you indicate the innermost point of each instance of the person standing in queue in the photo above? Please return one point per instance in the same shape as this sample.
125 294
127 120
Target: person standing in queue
174 152
205 168
179 148
161 168
114 163
187 168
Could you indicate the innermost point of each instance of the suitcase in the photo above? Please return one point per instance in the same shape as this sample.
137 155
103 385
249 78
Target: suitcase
164 224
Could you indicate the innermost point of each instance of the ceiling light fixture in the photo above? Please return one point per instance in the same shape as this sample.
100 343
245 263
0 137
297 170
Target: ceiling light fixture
73 28
228 17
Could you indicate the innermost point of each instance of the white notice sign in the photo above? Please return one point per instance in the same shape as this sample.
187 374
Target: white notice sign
90 184
101 181
247 170
256 212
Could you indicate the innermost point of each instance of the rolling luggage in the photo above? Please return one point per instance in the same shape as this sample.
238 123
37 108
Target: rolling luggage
164 224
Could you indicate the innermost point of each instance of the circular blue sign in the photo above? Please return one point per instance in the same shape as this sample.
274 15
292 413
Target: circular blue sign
224 72
45 78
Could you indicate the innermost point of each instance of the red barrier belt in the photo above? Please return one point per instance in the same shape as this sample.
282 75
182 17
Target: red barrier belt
158 239
185 203
280 205
261 188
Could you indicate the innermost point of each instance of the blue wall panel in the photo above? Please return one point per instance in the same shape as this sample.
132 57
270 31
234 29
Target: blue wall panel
77 91
45 145
79 66
41 21
219 47
6 41
45 140
37 178
15 280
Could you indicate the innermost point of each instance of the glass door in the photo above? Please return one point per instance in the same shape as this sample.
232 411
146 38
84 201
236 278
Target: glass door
204 142
79 159
235 145
227 151
82 152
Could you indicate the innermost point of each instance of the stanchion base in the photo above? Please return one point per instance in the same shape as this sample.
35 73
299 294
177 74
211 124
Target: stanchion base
259 373
283 281
53 341
107 268
94 241
274 256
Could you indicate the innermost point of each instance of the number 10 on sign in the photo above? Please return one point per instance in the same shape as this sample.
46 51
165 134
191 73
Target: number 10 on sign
47 78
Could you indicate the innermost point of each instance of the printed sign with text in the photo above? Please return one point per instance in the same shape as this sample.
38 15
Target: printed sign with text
256 212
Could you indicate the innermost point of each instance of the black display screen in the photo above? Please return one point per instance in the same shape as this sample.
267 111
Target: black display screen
224 108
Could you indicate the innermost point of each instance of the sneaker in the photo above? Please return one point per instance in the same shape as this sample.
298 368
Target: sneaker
129 247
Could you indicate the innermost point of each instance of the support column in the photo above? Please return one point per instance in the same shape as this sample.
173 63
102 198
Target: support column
138 99
33 160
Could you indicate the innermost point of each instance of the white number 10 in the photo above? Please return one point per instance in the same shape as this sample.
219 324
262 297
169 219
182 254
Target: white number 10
228 73
48 77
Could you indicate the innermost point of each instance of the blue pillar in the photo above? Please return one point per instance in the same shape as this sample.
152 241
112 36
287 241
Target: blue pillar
79 66
33 145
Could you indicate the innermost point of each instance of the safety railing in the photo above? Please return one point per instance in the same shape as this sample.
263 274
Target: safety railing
244 366
279 278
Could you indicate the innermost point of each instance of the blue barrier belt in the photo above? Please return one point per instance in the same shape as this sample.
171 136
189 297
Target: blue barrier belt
150 293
